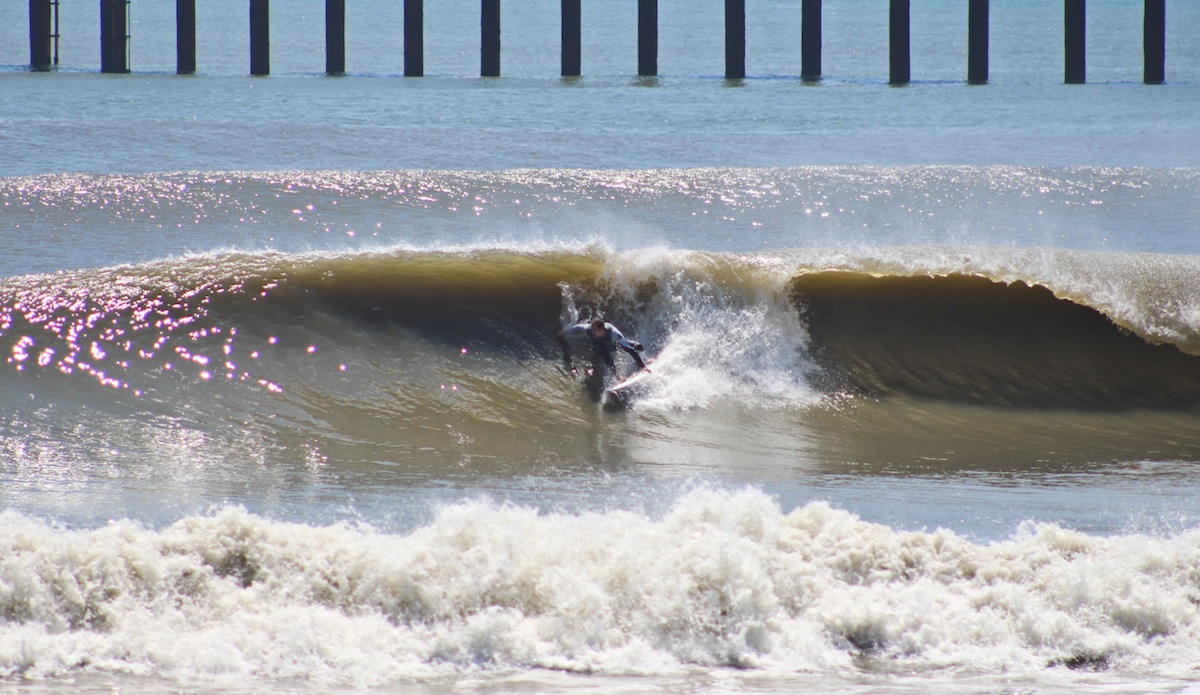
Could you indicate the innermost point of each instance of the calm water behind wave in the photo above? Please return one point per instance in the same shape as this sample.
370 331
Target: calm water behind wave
154 121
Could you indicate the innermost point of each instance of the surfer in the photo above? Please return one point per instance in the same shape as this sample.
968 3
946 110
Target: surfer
604 337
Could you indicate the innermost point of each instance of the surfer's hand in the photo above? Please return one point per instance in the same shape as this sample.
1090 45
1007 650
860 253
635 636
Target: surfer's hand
636 345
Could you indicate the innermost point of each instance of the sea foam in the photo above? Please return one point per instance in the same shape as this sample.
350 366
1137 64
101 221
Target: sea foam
720 579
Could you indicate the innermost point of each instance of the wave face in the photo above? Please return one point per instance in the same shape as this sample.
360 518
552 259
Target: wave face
773 330
971 339
392 355
716 580
288 372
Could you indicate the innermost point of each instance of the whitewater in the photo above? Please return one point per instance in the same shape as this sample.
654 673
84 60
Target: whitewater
719 580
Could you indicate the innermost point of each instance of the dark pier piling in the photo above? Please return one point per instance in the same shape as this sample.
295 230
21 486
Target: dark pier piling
489 44
977 42
260 37
40 34
115 20
735 39
114 36
1154 42
1074 41
335 37
810 40
185 37
647 38
899 49
572 42
414 38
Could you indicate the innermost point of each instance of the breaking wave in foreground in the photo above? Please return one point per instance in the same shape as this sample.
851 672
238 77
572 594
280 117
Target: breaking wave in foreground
718 579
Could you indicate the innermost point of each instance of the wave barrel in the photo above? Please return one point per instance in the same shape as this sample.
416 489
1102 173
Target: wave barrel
972 340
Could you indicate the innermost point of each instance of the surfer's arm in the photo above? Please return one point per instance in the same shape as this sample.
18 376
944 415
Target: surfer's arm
634 354
566 350
628 346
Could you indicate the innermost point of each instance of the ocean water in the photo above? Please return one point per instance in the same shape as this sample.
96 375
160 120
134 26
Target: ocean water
282 410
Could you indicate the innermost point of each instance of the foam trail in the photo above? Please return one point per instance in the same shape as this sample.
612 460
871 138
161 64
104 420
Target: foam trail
722 330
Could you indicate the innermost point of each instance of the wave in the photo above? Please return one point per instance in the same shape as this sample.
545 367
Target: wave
972 339
786 328
716 580
787 323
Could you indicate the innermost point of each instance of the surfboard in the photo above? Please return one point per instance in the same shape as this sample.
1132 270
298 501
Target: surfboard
637 378
616 397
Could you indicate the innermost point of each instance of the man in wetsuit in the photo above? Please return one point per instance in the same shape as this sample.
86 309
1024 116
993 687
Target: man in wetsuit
604 337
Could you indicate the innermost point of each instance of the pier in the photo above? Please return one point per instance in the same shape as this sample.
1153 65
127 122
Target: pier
43 35
115 36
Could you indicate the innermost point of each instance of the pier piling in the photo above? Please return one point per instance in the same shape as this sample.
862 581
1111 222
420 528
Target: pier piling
489 45
1074 41
414 38
735 39
114 36
572 44
260 37
185 37
39 34
977 42
810 40
335 37
647 38
899 49
1154 42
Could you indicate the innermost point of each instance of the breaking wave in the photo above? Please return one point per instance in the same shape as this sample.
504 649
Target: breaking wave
780 329
717 579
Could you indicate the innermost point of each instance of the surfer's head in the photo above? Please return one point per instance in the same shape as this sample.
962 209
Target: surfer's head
597 329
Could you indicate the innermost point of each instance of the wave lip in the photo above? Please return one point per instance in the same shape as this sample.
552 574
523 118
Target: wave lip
971 339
